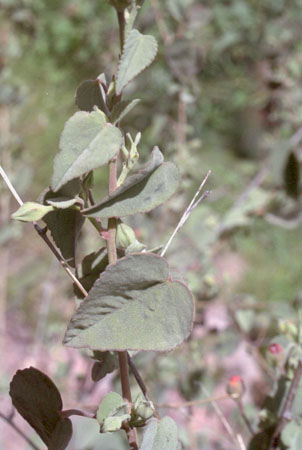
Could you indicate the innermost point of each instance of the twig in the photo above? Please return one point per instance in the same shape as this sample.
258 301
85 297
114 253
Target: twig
42 234
286 410
138 377
236 438
244 416
192 403
19 431
194 202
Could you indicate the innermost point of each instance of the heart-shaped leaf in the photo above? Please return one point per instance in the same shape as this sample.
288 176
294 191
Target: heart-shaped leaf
141 192
138 53
121 109
39 402
31 212
87 142
160 435
134 305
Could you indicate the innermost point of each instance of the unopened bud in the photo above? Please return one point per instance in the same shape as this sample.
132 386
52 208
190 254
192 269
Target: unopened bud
235 387
275 354
125 235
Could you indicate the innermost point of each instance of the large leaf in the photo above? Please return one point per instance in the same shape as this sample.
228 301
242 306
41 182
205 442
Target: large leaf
292 435
39 402
160 435
134 305
138 53
141 192
87 142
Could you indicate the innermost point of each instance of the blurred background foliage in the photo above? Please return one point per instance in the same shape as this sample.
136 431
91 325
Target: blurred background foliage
223 94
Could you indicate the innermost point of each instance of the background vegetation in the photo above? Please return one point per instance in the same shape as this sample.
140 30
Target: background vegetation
224 94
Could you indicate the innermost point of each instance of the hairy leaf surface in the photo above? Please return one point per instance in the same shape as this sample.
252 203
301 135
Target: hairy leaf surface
160 435
122 109
134 305
87 142
139 52
141 192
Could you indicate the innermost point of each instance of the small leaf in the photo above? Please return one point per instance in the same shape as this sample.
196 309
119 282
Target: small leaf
141 192
292 435
160 435
111 404
121 109
39 402
88 95
112 424
31 212
102 368
138 53
87 142
62 202
134 305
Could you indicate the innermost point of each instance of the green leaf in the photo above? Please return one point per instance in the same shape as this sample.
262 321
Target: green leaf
138 53
39 402
141 192
88 95
31 212
111 404
62 202
87 142
134 305
64 224
61 436
106 365
292 435
121 109
160 435
111 424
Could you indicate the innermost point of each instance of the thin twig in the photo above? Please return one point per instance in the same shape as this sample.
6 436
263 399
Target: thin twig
19 431
194 202
244 416
138 377
200 402
235 437
286 410
42 234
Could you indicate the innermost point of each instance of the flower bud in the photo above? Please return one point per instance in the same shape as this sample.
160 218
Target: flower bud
125 235
142 408
235 387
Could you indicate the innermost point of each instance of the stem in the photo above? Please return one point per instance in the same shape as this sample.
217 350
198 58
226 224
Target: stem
284 415
121 23
19 431
112 258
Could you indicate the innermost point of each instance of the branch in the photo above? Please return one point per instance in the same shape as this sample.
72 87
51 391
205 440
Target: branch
194 202
9 420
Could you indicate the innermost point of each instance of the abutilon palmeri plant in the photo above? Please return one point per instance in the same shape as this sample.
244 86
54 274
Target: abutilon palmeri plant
127 297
